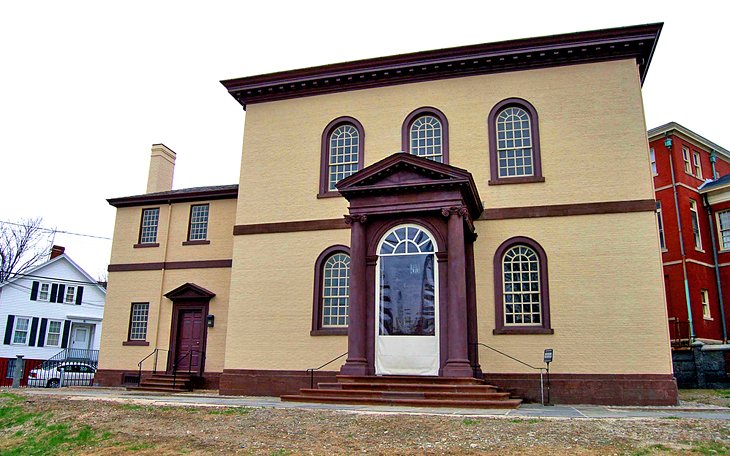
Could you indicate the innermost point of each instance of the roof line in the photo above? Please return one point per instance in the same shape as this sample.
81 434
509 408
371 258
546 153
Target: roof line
667 127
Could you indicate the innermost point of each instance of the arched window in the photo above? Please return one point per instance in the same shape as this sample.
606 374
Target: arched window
426 134
330 313
342 153
514 143
521 288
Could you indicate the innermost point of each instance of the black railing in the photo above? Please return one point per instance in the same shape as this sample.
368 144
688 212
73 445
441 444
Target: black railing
189 357
311 370
155 352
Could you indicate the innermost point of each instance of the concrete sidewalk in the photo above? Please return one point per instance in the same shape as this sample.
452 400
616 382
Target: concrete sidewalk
212 399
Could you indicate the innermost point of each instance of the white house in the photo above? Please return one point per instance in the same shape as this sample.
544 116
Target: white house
54 309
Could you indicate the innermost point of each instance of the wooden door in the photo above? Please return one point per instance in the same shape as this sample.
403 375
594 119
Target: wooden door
189 346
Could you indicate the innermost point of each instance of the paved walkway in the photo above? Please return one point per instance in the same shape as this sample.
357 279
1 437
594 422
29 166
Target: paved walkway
212 399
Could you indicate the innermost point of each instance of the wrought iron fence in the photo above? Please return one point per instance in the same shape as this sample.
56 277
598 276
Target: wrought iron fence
70 367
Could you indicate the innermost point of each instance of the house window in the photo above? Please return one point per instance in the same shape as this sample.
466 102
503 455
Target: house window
198 222
521 288
148 229
660 223
44 291
53 333
652 158
705 297
70 296
138 321
330 313
514 143
20 331
342 153
695 224
698 166
723 226
426 133
687 164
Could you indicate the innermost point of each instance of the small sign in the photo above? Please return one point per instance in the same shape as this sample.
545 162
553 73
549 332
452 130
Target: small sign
548 355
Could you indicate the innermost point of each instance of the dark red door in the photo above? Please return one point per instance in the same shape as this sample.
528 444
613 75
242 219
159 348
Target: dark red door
190 340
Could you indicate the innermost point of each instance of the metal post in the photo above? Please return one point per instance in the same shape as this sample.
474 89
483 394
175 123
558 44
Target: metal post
60 380
18 370
548 384
542 390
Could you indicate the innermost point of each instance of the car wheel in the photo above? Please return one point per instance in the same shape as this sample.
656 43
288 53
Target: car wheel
53 383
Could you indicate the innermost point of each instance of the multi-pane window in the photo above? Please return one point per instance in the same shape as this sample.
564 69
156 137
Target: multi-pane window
514 143
138 321
344 154
198 222
426 137
53 334
697 165
652 158
660 223
336 291
695 224
723 226
44 291
521 286
687 164
20 332
70 296
705 297
148 230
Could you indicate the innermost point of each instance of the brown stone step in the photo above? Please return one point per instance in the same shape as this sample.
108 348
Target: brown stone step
501 404
161 389
413 379
409 387
183 385
406 394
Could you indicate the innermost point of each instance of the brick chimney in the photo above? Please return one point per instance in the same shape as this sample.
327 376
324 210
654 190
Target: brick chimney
162 167
57 250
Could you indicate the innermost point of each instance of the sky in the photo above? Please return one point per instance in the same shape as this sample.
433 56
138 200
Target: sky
86 87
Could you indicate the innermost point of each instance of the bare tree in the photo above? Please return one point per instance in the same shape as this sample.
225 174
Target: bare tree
23 245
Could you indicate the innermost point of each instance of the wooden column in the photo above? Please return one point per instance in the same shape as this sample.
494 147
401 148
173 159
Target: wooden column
357 363
457 364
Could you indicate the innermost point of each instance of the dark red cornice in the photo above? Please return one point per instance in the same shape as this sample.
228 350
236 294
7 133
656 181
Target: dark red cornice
635 42
177 196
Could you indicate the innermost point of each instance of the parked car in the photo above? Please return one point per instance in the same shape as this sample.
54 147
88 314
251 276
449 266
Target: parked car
74 374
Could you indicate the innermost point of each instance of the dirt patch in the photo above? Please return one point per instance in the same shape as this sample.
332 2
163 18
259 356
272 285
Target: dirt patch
717 397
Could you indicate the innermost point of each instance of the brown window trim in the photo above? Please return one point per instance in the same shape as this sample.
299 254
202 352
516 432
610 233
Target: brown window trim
201 242
190 226
499 326
141 220
136 342
317 329
410 118
146 246
534 130
324 191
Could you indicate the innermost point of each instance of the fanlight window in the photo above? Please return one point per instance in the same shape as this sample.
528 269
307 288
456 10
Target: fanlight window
514 143
344 151
336 291
426 138
521 292
407 239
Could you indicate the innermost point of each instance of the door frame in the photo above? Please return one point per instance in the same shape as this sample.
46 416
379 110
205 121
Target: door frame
90 340
177 308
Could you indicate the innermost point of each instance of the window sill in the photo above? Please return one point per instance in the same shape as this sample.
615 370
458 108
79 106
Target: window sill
522 330
329 332
135 343
665 250
699 250
328 195
516 180
146 246
201 242
708 318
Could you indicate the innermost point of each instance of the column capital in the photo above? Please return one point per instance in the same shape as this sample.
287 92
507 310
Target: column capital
351 219
461 211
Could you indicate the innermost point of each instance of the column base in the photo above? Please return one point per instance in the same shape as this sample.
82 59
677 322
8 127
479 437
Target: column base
355 367
457 368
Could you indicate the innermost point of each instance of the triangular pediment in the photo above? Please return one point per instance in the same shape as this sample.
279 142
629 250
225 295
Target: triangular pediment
189 292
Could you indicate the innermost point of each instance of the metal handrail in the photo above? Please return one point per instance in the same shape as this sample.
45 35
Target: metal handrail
311 370
190 363
154 368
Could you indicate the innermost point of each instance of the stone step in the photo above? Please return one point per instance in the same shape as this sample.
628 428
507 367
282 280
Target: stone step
455 403
161 389
409 387
409 379
405 394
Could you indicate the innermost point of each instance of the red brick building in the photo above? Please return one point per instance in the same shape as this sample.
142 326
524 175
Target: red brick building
695 245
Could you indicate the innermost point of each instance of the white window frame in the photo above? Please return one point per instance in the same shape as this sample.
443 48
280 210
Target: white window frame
74 290
15 330
427 128
48 333
660 226
721 229
705 299
134 335
146 235
336 296
697 164
198 225
47 292
687 163
515 148
512 297
695 217
652 159
343 152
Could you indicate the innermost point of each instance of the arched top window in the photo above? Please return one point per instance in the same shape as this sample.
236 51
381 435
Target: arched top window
342 153
521 288
426 134
514 143
330 314
406 239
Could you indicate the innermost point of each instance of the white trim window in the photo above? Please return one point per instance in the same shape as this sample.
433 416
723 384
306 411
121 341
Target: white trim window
514 143
198 222
723 229
521 292
344 154
660 224
697 165
652 159
336 291
44 291
687 164
695 224
426 136
705 299
53 333
21 328
70 296
138 321
148 230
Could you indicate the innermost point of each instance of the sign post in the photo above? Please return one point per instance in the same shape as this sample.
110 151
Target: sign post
548 358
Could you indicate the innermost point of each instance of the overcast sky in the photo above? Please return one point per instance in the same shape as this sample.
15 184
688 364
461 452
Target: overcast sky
87 87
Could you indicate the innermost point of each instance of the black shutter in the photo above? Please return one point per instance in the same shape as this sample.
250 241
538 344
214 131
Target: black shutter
61 293
9 329
54 292
33 332
34 291
66 333
79 295
42 332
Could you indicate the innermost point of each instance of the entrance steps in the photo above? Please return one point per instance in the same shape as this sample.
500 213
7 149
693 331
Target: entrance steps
414 391
165 383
